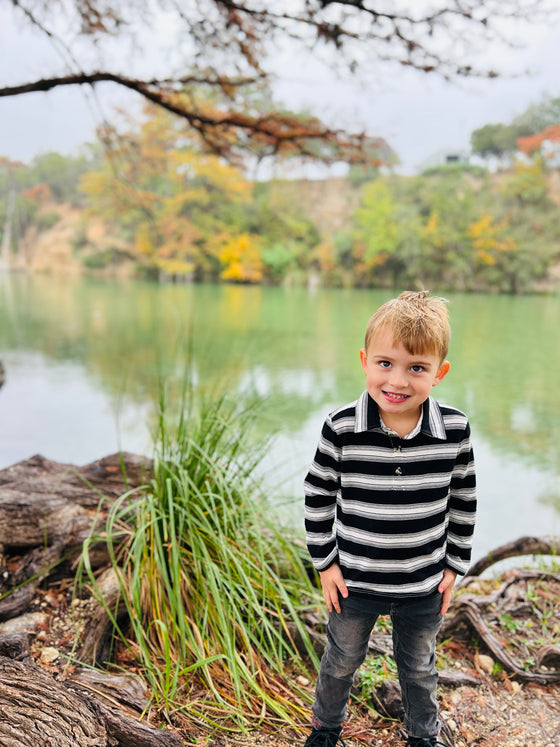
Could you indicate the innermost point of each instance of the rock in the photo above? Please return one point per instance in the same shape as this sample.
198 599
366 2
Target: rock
484 663
49 655
23 623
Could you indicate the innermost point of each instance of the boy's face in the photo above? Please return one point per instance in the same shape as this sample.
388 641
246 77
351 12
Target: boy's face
398 381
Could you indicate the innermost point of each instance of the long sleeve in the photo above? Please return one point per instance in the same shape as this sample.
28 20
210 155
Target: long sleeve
321 488
462 508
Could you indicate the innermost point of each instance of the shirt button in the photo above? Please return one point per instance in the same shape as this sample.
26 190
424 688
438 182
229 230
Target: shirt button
398 471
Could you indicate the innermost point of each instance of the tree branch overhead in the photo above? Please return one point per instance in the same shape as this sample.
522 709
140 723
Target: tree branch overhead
238 38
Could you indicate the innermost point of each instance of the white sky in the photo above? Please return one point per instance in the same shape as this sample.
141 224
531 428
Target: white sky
417 114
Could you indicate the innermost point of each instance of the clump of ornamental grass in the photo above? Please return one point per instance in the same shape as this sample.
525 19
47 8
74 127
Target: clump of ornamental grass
213 586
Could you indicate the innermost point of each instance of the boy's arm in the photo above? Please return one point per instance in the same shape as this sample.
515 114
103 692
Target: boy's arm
321 488
462 508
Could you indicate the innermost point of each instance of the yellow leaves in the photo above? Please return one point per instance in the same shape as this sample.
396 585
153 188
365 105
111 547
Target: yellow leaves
434 232
143 240
432 225
211 170
241 258
489 239
326 255
172 197
377 227
93 183
174 266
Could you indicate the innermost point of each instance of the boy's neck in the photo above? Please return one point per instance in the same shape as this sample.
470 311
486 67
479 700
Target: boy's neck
401 425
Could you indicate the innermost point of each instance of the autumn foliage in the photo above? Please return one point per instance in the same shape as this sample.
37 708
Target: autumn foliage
532 143
175 211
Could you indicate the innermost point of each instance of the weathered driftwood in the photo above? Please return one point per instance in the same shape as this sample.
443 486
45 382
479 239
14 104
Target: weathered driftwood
470 609
549 656
36 709
47 510
387 699
97 639
15 645
548 545
126 689
42 501
27 576
469 612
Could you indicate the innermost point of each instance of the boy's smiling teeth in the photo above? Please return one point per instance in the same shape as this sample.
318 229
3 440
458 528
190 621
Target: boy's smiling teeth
392 395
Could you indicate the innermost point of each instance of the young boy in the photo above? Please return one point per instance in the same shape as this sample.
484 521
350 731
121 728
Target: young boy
396 470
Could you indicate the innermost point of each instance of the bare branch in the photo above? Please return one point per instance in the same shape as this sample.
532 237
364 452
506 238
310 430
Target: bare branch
224 132
237 35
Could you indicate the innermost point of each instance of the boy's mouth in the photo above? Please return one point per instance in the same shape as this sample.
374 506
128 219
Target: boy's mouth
393 397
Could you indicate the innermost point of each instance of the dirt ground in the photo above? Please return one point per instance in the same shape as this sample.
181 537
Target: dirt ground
500 711
491 715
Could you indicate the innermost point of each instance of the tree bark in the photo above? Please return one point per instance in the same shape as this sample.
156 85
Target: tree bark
37 710
47 510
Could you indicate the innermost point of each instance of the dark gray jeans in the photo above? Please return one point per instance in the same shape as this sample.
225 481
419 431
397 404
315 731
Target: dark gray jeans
415 626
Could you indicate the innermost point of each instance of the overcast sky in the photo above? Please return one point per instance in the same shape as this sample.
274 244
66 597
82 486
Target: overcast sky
417 114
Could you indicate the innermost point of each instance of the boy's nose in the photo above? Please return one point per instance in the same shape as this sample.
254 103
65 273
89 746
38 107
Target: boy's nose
398 378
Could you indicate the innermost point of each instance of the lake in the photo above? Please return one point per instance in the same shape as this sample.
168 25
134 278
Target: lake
84 359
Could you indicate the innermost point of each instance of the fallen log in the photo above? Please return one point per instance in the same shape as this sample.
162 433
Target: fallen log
42 501
47 510
36 709
548 656
97 639
29 573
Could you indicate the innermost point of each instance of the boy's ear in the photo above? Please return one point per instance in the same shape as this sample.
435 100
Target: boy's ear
363 358
441 372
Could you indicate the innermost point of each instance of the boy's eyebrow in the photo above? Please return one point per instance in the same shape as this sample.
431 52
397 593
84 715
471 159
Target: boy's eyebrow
415 360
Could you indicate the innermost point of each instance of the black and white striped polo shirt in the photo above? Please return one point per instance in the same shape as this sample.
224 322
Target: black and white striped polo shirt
392 512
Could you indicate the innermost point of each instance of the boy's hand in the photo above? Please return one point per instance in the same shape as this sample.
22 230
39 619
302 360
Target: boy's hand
446 588
332 583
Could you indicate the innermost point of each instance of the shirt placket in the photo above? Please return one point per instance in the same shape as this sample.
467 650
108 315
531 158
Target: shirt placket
399 466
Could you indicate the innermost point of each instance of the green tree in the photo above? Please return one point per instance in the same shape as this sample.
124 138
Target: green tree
526 184
445 204
61 173
495 139
499 139
385 237
536 117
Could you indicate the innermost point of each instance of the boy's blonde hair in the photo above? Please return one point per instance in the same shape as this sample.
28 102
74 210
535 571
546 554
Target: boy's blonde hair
418 320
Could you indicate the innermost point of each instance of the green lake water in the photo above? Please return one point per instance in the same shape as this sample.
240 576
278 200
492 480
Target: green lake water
83 359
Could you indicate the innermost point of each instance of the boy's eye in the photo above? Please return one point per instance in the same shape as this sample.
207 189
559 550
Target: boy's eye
385 364
417 369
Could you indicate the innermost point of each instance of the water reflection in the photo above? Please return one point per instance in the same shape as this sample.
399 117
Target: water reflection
85 359
58 410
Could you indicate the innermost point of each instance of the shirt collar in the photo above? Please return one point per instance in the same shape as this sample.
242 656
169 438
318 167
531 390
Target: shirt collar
367 417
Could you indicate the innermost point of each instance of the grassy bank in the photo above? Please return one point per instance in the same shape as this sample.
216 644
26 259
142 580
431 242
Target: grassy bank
212 584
